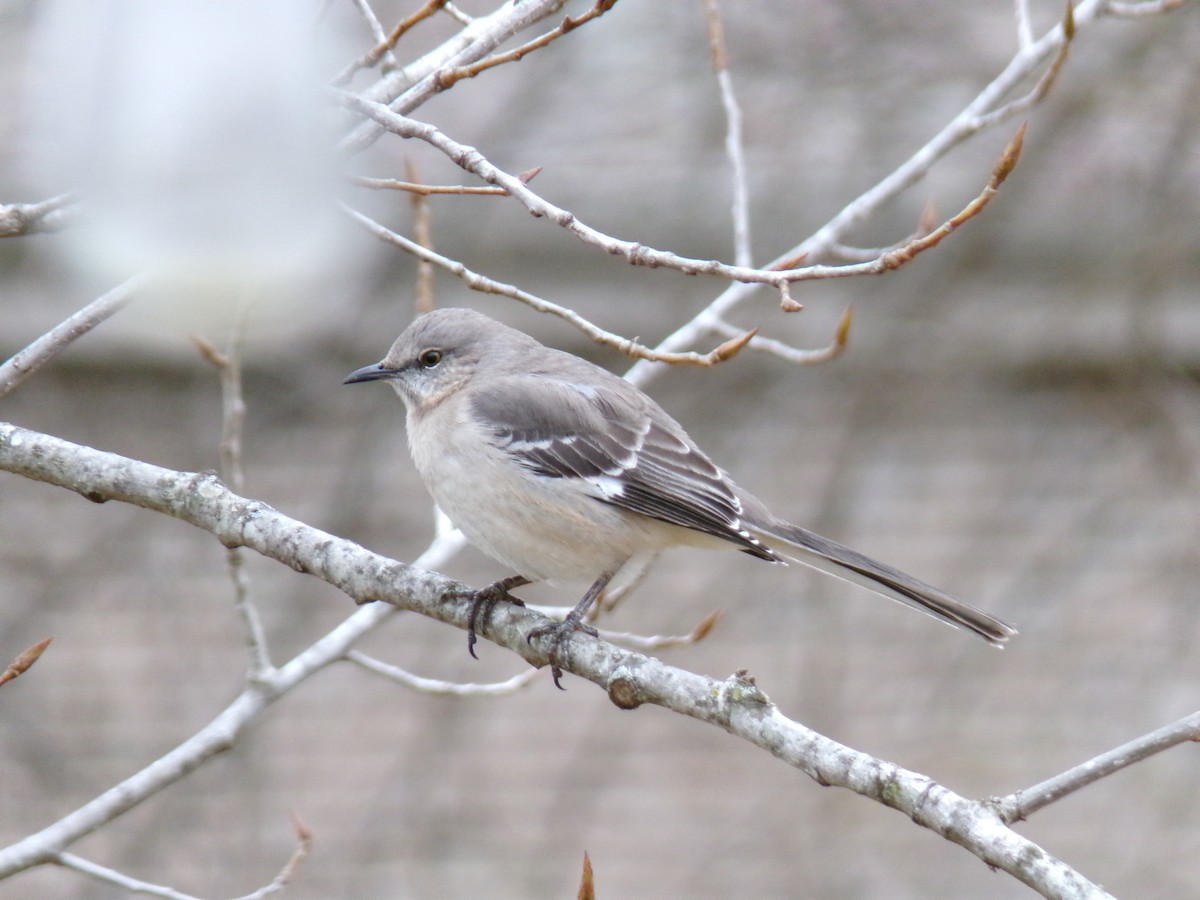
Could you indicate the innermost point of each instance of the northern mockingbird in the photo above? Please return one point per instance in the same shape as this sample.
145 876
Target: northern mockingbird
560 470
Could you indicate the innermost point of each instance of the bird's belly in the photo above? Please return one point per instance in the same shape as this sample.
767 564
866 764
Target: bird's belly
541 528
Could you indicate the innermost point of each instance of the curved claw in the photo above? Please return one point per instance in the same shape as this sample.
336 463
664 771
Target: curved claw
485 600
558 633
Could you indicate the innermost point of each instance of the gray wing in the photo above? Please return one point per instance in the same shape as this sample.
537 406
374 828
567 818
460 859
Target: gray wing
620 446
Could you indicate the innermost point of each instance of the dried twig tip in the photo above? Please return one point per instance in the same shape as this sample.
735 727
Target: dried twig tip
929 219
1008 159
842 338
587 885
733 346
208 352
303 833
27 658
707 624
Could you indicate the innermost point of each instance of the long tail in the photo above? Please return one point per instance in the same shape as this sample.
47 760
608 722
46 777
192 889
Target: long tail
802 546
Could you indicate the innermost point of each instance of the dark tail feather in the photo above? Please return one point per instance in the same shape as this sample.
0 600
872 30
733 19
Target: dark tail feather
810 549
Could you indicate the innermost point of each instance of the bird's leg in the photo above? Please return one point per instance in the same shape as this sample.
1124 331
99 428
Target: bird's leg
560 631
485 599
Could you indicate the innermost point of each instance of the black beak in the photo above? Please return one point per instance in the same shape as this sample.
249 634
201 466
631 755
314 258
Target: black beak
369 373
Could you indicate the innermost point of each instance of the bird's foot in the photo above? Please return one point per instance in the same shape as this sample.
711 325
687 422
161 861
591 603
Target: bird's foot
558 632
484 600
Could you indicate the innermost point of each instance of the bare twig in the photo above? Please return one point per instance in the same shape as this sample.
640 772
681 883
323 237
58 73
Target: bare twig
893 259
383 50
384 43
24 660
473 161
973 118
425 190
54 341
447 77
406 89
422 230
415 187
734 150
638 254
233 407
663 641
439 687
457 14
1024 24
1043 85
486 285
1024 803
117 879
304 842
834 349
1145 8
138 886
28 218
926 224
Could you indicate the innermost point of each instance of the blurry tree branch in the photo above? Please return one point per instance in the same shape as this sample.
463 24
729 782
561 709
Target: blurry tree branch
28 218
53 342
447 78
407 88
233 407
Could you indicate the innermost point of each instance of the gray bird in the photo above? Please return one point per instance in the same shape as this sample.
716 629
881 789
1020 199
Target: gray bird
560 470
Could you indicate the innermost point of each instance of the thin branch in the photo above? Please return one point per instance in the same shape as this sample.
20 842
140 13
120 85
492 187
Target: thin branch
834 349
972 119
926 224
473 161
24 660
304 842
393 184
663 641
447 77
57 339
384 43
28 218
1146 8
117 879
416 187
1044 83
233 408
439 687
137 886
458 15
1024 24
406 89
383 48
1024 803
734 149
893 259
423 231
486 285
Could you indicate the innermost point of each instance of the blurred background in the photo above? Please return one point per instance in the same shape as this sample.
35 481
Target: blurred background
1017 419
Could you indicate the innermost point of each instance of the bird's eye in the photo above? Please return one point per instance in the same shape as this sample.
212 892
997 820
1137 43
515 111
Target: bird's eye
430 358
